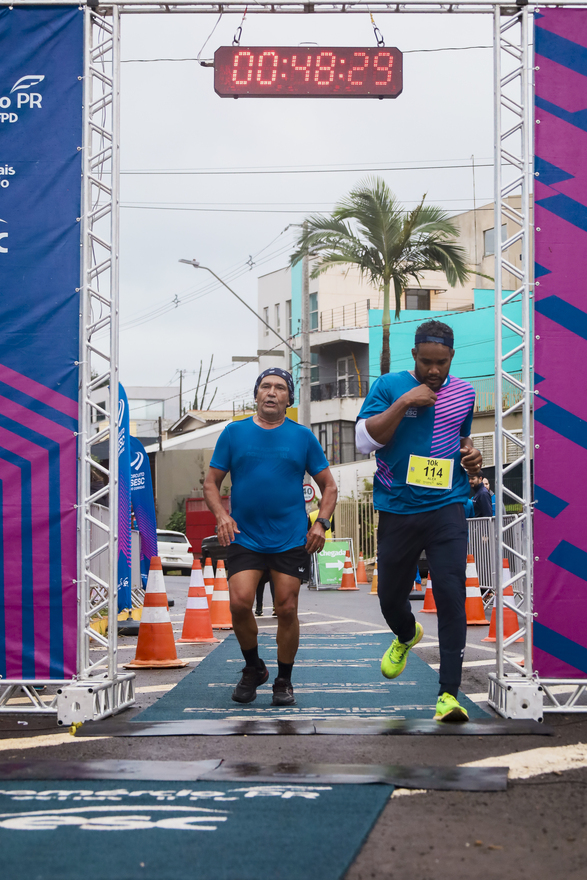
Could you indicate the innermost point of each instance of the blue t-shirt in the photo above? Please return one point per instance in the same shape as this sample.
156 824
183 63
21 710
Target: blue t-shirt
431 431
267 467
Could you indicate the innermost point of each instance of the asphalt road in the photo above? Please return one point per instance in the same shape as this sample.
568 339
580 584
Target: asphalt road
536 829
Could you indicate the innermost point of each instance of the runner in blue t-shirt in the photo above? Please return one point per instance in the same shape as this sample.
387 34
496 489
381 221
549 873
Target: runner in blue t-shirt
267 456
419 422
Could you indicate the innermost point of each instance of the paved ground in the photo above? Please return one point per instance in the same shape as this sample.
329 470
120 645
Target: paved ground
537 829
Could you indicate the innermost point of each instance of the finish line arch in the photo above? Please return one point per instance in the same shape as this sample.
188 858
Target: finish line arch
547 577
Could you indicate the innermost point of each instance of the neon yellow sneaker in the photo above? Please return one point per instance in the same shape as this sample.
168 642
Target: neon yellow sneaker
448 709
395 658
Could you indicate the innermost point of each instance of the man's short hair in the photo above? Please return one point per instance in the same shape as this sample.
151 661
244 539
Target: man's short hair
438 330
479 474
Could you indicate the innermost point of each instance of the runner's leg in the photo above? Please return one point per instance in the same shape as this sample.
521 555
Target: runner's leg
400 541
287 590
242 587
446 549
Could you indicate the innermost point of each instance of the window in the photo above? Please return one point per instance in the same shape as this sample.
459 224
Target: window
288 318
278 317
484 443
418 299
313 311
511 449
314 369
145 409
266 319
489 240
98 416
346 377
337 439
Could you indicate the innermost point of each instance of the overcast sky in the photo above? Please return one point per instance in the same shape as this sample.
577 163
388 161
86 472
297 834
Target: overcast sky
172 120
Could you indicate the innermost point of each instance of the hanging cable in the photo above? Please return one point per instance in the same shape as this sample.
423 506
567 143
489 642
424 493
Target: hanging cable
378 35
208 63
236 40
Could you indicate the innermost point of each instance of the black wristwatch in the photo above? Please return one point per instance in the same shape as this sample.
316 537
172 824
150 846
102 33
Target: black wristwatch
325 523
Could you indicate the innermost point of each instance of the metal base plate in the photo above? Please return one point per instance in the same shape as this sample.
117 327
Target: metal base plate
434 778
334 727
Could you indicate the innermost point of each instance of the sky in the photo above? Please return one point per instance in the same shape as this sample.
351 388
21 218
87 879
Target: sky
174 316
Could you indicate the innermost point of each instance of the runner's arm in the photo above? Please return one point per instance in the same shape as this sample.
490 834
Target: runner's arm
226 526
329 492
471 458
383 426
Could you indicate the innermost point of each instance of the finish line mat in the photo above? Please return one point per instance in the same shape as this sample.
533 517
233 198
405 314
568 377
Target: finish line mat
335 677
166 830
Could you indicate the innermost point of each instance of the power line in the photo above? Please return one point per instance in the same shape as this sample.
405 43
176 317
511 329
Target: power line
404 52
308 170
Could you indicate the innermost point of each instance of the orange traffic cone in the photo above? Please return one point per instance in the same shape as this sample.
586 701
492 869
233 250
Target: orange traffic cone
197 626
220 608
474 602
510 618
429 606
374 581
348 575
209 580
155 645
361 570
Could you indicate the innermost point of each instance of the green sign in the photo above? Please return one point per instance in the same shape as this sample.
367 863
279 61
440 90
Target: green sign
331 562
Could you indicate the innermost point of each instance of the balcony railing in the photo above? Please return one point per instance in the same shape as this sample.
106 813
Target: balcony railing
350 315
485 393
339 389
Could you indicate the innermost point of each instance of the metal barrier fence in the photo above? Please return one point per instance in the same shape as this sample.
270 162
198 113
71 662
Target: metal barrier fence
355 518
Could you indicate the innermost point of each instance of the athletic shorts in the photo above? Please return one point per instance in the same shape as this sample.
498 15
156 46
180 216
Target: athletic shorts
295 562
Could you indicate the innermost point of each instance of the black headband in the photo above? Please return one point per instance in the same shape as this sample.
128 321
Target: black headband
283 374
441 340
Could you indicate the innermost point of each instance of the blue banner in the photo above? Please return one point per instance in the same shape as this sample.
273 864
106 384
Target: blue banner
41 91
124 525
143 504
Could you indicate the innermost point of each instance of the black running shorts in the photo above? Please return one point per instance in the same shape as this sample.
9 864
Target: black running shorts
295 562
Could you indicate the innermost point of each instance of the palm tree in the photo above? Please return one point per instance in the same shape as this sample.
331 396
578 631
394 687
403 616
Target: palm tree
370 229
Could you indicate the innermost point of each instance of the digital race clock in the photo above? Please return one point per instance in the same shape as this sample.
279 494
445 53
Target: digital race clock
307 72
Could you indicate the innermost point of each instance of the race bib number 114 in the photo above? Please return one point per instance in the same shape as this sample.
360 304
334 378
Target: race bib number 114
432 473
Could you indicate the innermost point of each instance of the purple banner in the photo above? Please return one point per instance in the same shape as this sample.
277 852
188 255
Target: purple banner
560 569
41 91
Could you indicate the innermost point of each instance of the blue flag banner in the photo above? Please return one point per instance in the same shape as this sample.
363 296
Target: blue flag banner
124 526
143 504
41 91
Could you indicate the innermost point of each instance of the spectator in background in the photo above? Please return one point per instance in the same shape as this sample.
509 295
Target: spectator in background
488 487
481 497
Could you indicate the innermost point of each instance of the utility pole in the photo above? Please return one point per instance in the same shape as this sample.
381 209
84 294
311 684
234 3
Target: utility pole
181 372
304 417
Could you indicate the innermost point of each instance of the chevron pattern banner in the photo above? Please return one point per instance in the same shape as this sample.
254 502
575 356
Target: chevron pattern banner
41 80
560 569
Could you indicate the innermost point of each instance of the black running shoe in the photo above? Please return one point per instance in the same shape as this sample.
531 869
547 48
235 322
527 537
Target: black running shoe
283 694
252 677
259 611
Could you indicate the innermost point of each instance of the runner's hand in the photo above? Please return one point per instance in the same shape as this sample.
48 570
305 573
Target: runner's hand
422 395
226 530
471 459
315 539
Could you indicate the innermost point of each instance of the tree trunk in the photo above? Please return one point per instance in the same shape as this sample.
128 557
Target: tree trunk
386 321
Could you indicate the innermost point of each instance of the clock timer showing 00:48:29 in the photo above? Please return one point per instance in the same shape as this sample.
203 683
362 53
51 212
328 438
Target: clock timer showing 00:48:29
311 72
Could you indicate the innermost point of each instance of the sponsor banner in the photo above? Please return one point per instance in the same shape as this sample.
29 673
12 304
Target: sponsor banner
124 523
560 346
331 562
143 504
41 70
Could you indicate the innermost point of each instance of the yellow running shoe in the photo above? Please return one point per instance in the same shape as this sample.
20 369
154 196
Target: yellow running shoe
395 658
448 709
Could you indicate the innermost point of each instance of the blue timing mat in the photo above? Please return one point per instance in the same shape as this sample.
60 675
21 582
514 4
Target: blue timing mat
170 830
335 676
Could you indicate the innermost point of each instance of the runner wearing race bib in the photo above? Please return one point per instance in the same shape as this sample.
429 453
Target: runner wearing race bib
419 424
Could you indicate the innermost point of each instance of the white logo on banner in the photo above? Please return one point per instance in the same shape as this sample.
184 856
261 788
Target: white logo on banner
23 97
25 82
3 250
137 462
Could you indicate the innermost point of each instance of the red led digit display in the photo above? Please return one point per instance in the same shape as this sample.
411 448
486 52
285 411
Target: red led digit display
307 72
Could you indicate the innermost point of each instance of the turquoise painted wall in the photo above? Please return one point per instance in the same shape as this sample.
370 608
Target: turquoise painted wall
474 333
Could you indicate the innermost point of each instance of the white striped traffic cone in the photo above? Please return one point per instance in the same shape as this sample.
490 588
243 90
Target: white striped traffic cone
155 644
